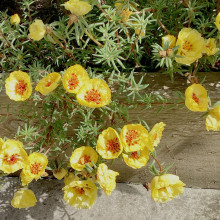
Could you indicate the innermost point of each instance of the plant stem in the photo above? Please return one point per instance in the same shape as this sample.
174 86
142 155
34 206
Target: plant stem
157 161
62 46
7 42
93 39
162 25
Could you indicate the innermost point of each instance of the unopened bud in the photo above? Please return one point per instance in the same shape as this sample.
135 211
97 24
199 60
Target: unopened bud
163 53
72 19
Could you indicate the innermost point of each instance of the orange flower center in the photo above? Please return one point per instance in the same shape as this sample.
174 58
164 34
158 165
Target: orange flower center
113 145
36 168
93 96
20 87
187 46
79 190
195 98
134 155
84 159
12 159
131 137
155 137
73 82
48 83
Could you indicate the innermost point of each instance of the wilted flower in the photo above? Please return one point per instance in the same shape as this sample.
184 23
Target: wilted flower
82 156
166 187
12 156
78 7
106 178
210 47
59 174
74 77
212 121
23 198
37 163
171 39
139 30
217 22
15 19
69 178
37 30
191 46
196 98
18 86
80 194
136 159
134 137
109 145
125 13
94 93
156 134
48 83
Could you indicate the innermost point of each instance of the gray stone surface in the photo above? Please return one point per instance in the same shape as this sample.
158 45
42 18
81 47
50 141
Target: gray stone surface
128 202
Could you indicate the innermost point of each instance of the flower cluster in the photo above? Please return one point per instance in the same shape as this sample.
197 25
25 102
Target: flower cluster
93 93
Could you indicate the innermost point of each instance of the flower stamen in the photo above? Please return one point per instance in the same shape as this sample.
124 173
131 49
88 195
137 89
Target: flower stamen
131 137
36 168
93 96
20 87
73 82
11 159
113 145
84 159
195 98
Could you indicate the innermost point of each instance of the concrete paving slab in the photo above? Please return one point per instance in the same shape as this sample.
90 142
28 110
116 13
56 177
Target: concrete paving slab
127 202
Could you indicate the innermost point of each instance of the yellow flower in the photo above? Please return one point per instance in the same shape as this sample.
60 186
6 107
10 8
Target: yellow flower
137 161
59 174
166 187
48 83
15 19
196 98
212 121
80 194
37 30
171 39
1 143
191 46
12 156
134 137
210 47
82 156
78 7
217 23
18 86
94 93
156 133
74 77
125 13
23 198
109 145
69 178
106 178
37 163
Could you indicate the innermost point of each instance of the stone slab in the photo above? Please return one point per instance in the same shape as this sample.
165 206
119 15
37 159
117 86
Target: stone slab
127 202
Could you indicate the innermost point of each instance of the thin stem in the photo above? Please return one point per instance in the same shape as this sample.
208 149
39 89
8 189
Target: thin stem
99 6
7 42
93 39
162 25
62 46
157 161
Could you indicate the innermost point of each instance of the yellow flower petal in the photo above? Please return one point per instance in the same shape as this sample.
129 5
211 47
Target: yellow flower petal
134 160
23 198
196 98
37 30
210 47
48 83
171 39
1 143
12 156
106 178
69 178
94 93
217 22
134 137
18 86
59 174
191 46
78 7
212 121
74 78
15 19
166 187
109 145
37 163
80 194
156 133
82 156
